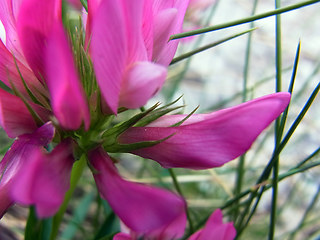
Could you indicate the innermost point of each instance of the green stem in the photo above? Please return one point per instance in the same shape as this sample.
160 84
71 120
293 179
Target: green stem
241 164
76 173
266 172
253 189
178 188
206 47
278 132
306 213
244 20
175 84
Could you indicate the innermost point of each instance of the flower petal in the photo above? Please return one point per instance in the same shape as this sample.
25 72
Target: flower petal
8 10
133 12
13 160
15 117
141 81
44 179
9 75
109 50
215 229
122 236
147 28
131 201
34 24
209 140
164 24
67 96
165 49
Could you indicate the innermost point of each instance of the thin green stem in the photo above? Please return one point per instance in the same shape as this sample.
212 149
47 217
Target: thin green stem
306 213
278 132
266 186
241 164
175 84
206 47
76 173
178 188
244 20
265 174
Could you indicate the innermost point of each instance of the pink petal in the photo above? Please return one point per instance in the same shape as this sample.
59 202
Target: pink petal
209 140
67 96
9 75
13 160
122 236
133 12
147 28
8 10
5 200
131 201
34 24
92 9
166 50
108 50
76 4
15 117
141 81
215 229
164 24
44 179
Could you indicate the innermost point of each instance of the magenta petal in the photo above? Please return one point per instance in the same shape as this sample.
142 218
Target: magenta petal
15 117
141 81
12 162
10 75
109 50
131 201
8 10
34 24
5 200
67 96
209 140
166 50
164 24
147 28
215 229
122 236
76 4
133 11
44 179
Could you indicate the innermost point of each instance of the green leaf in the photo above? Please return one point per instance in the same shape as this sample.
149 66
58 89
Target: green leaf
78 217
37 229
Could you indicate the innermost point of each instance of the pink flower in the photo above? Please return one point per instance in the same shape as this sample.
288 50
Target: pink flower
37 40
215 229
207 140
129 47
38 49
15 160
76 4
145 210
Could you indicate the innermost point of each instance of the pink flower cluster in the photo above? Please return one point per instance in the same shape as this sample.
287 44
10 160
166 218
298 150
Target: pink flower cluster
50 102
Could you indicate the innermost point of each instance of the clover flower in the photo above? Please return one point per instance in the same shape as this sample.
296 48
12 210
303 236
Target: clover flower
64 91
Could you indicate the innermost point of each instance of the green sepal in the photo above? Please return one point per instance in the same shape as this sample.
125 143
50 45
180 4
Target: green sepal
184 119
117 148
157 113
112 134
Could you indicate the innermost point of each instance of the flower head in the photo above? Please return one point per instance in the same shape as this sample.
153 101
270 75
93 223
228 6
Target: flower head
63 91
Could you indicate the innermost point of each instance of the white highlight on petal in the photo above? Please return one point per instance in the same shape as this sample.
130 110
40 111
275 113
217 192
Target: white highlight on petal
2 33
